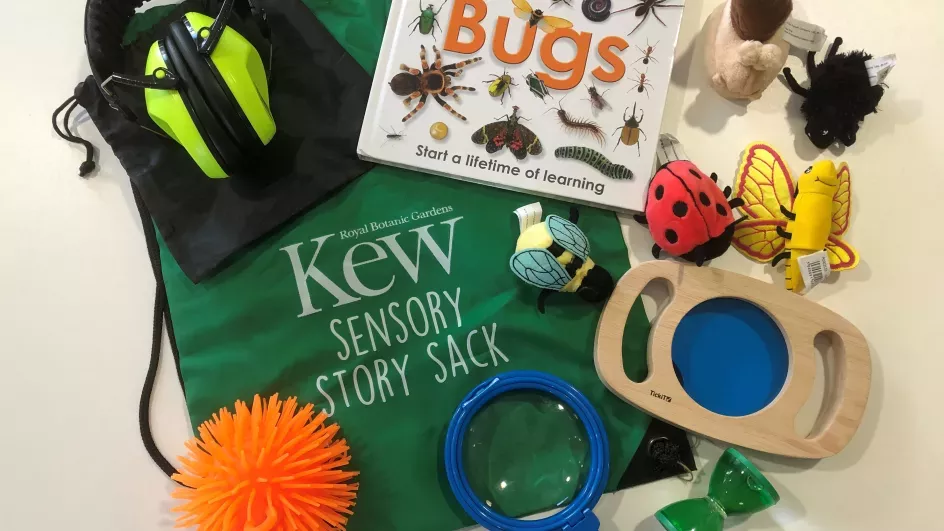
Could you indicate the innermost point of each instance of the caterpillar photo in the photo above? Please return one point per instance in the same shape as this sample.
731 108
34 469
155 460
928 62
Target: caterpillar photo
595 159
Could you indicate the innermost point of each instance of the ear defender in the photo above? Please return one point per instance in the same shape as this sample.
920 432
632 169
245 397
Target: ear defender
220 110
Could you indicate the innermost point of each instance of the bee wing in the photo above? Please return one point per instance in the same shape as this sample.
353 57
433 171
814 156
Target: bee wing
842 202
842 256
549 24
569 236
763 181
522 9
539 268
758 240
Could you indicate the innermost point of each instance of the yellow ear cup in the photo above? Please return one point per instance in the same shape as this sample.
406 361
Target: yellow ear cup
167 109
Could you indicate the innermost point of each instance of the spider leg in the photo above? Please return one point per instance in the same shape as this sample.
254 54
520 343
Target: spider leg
438 62
792 83
657 15
834 48
461 87
461 64
413 71
449 108
810 64
411 97
641 21
419 106
423 58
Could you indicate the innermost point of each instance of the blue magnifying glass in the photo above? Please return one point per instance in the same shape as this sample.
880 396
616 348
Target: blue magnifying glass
546 396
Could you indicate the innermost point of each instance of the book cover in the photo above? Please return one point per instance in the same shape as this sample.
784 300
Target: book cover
561 98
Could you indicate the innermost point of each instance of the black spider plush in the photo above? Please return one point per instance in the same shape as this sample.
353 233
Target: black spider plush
839 98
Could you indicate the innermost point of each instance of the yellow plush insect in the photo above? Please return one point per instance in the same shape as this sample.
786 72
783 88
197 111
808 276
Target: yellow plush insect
787 221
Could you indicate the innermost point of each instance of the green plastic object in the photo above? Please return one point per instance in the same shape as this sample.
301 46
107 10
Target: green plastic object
526 452
736 488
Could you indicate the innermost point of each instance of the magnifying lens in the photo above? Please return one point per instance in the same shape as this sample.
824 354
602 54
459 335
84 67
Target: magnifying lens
525 442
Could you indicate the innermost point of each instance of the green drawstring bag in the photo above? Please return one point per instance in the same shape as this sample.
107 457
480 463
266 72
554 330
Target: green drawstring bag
384 306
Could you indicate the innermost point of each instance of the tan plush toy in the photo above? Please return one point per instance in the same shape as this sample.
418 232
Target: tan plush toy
744 48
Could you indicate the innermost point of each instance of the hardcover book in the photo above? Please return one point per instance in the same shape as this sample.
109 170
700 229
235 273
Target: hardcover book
561 98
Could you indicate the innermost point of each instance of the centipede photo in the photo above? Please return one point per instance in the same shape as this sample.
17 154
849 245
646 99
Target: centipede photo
578 126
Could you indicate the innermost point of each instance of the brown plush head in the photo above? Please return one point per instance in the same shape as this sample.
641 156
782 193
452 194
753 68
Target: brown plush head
759 20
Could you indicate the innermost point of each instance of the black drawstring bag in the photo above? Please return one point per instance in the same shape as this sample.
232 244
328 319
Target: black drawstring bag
318 97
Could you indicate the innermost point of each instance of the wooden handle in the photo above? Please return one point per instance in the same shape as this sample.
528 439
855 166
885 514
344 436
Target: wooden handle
772 428
608 354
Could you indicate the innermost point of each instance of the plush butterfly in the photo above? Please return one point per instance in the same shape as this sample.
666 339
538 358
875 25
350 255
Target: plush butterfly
509 132
788 219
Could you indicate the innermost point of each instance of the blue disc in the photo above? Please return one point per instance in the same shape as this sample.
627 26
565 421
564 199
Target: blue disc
730 356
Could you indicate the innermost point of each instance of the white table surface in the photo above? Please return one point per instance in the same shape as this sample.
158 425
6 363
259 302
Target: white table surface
77 289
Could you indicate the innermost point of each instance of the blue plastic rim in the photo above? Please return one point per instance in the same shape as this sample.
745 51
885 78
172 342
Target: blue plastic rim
578 514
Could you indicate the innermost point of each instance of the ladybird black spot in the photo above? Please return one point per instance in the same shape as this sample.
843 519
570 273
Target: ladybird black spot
671 236
721 210
695 173
703 197
679 209
660 190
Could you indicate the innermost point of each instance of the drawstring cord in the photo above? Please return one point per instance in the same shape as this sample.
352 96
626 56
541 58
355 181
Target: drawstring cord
88 166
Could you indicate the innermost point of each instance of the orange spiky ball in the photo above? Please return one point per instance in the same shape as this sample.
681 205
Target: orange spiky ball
271 468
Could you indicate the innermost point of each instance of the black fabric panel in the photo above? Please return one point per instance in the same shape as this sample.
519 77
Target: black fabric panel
644 468
318 98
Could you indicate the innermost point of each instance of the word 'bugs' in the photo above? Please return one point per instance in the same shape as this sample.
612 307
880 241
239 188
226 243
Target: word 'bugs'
642 83
595 98
578 126
392 135
630 130
647 53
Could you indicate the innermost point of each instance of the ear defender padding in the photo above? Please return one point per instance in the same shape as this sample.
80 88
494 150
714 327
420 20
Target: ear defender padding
227 152
215 92
240 67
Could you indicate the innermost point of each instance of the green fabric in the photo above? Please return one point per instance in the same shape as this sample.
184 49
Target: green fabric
262 326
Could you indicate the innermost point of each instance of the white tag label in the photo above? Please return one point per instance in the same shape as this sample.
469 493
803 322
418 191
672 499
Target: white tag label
804 35
814 268
879 68
670 149
529 216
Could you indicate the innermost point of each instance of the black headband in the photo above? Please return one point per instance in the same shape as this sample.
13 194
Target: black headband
105 25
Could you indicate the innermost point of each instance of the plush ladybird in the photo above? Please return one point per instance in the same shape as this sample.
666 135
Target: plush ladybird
687 213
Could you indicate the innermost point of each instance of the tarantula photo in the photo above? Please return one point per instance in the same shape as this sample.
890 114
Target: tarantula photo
432 81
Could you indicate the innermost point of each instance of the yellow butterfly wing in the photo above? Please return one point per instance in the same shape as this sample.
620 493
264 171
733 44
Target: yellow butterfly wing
758 240
763 181
842 202
842 256
549 24
522 9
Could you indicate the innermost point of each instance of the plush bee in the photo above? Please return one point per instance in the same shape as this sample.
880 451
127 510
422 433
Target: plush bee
554 256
